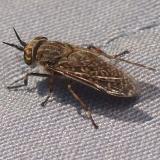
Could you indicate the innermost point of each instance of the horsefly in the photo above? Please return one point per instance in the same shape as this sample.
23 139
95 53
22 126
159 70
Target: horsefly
87 65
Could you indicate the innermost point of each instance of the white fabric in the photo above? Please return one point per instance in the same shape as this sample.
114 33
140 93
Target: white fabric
128 130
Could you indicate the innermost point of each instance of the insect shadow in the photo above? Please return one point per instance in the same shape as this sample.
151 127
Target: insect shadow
115 108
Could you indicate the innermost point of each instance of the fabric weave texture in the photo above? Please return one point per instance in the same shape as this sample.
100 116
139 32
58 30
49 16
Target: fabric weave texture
128 129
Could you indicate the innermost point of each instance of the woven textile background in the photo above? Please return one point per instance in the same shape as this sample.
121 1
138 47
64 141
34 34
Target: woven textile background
128 129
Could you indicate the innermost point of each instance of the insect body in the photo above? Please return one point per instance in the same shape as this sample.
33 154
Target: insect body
89 66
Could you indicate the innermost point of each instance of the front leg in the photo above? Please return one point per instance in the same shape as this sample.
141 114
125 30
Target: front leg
50 90
25 79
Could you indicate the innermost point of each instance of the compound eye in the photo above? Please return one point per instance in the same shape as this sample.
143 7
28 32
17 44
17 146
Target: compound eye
28 57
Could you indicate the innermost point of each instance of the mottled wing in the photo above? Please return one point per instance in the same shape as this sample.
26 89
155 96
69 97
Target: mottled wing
92 70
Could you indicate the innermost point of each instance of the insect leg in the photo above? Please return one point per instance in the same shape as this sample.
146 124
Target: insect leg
50 88
121 54
136 64
95 49
116 57
25 78
98 50
83 105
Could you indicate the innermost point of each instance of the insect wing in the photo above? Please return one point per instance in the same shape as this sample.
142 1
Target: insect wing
88 68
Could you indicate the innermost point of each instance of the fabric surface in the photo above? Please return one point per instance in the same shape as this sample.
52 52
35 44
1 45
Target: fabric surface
128 129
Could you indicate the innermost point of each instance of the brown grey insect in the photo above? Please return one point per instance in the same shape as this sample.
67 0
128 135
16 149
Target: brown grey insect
87 65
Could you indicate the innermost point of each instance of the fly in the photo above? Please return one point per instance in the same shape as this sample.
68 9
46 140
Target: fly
87 65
